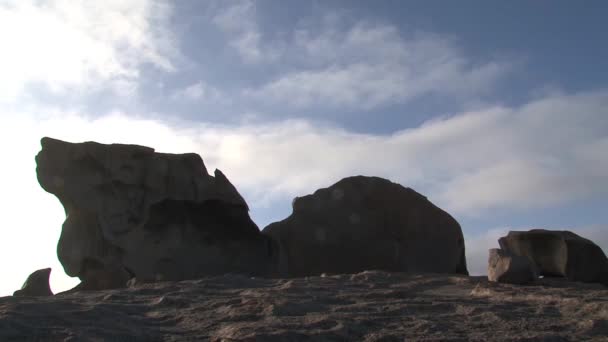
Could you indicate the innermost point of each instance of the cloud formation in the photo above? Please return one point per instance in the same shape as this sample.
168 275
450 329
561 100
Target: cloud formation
340 63
201 92
71 45
367 65
547 152
239 23
541 154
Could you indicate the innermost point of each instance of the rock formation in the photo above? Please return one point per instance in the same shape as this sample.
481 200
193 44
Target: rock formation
132 212
559 253
363 223
504 267
37 284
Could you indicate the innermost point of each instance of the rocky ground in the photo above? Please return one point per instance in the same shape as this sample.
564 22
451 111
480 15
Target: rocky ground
369 306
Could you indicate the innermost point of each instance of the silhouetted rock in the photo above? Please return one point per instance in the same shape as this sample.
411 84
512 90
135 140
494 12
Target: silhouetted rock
504 267
363 223
559 253
37 284
151 215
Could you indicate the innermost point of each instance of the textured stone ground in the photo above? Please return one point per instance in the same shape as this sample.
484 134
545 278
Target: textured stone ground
369 306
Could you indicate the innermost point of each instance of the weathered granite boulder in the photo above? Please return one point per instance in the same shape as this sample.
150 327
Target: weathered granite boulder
363 223
504 267
559 253
130 210
37 284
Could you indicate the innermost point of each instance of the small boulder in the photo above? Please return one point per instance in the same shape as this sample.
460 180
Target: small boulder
559 254
504 267
37 284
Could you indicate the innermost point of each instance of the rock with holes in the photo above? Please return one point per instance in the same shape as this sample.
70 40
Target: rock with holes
133 212
559 253
37 284
363 223
504 267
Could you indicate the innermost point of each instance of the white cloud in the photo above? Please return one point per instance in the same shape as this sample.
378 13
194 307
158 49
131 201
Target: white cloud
356 85
75 45
199 91
544 153
371 65
239 23
548 152
335 62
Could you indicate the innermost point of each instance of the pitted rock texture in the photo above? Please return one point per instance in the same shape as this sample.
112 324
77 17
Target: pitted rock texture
154 216
559 253
364 223
36 284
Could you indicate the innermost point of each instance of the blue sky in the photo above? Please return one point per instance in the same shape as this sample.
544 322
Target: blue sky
496 111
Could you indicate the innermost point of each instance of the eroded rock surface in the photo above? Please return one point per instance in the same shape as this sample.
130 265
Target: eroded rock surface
36 284
364 223
559 253
504 267
154 216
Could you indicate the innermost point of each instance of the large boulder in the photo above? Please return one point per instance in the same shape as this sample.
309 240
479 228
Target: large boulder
559 253
37 284
133 212
504 267
363 223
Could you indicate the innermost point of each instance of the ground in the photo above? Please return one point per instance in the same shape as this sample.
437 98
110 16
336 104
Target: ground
368 306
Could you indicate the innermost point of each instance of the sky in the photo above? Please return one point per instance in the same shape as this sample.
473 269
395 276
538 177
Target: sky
496 111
